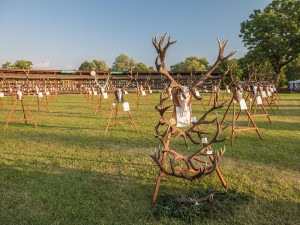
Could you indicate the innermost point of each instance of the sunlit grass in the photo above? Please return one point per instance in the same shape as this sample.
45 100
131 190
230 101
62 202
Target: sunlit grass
68 172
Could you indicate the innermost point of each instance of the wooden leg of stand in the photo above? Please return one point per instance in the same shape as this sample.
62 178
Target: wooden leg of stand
111 113
116 114
233 124
11 112
159 174
133 122
227 110
29 112
270 106
203 105
23 111
219 173
262 106
256 128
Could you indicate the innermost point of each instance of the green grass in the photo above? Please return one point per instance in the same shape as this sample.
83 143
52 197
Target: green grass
68 172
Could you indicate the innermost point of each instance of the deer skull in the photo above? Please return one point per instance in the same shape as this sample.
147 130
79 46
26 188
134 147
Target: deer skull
183 101
119 96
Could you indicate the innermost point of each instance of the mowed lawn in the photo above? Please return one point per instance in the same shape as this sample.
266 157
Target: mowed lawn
68 172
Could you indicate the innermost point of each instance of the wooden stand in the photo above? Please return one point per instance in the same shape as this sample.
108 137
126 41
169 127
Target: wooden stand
23 102
139 94
162 174
39 101
115 111
191 103
3 101
99 104
234 130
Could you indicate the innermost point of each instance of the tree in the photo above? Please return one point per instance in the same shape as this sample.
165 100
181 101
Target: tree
151 69
7 65
22 64
237 72
274 34
99 65
123 63
292 70
140 67
192 63
86 65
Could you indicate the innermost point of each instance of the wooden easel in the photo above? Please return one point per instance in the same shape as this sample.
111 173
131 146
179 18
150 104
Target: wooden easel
23 102
115 111
234 130
139 94
39 101
198 104
100 107
3 101
162 174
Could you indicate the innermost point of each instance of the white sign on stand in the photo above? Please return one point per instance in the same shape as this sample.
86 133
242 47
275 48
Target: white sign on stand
95 92
47 93
258 100
243 104
193 119
40 94
90 92
183 121
263 94
1 95
171 97
197 93
143 93
228 91
204 140
150 91
209 153
272 90
269 93
105 96
126 106
126 92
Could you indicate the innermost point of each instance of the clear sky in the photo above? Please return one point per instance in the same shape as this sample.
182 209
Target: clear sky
61 34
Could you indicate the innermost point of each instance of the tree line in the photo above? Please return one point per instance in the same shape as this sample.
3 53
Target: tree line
272 37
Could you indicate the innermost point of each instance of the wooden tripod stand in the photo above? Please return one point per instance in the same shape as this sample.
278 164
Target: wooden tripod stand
115 111
234 130
23 102
163 174
139 94
39 101
3 101
99 106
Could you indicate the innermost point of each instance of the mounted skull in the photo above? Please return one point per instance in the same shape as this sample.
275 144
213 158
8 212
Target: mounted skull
119 98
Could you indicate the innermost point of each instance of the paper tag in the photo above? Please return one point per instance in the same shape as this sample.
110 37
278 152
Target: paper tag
193 119
228 91
171 97
47 93
105 96
1 95
234 101
204 140
95 92
40 94
209 153
243 104
258 100
126 106
150 91
19 95
114 104
90 92
206 91
143 93
197 93
183 120
274 88
269 93
263 94
271 89
126 92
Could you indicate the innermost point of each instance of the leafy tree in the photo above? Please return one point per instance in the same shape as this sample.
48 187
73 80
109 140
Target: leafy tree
140 67
22 64
151 69
292 70
86 65
237 72
99 65
7 65
273 35
192 63
123 63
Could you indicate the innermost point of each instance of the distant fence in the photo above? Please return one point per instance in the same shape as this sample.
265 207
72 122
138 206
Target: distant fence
283 90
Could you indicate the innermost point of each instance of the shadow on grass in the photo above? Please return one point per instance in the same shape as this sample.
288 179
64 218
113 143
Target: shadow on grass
227 204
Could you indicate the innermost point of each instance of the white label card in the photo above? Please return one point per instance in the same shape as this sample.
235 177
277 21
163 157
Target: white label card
228 91
126 106
271 89
243 104
40 94
263 94
250 99
197 93
209 153
150 91
206 91
204 140
90 92
183 120
274 89
193 119
258 100
269 93
105 96
47 92
1 95
171 97
143 93
95 92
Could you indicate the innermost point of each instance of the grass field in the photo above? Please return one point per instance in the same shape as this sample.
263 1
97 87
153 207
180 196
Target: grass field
68 172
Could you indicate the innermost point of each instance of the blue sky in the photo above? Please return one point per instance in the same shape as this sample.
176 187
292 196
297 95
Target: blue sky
61 34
